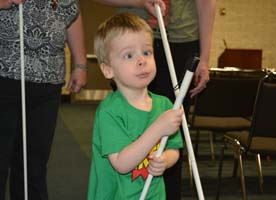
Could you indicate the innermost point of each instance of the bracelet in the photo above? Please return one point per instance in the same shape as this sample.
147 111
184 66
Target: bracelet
81 66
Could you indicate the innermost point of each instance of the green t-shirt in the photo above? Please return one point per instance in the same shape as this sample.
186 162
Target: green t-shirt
118 124
183 20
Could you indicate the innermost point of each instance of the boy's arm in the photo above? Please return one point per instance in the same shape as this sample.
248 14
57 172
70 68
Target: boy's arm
171 156
158 165
167 124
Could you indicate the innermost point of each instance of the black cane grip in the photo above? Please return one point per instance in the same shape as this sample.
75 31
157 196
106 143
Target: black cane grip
192 63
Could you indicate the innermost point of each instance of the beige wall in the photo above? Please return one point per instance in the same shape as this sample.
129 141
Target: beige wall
248 24
94 14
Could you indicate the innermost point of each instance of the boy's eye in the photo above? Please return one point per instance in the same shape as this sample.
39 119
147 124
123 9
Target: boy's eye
128 56
147 53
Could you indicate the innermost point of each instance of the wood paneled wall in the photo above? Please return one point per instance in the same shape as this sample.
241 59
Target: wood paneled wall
93 14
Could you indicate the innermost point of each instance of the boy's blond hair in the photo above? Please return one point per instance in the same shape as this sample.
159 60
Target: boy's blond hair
113 27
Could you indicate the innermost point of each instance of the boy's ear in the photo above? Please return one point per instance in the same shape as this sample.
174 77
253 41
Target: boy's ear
106 70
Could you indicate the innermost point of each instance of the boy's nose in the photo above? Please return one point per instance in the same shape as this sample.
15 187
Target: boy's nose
141 61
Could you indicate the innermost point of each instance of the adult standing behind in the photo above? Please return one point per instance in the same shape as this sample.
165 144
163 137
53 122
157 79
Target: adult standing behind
48 25
141 4
189 29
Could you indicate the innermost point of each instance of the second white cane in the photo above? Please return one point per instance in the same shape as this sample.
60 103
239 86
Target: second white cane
185 85
23 99
184 121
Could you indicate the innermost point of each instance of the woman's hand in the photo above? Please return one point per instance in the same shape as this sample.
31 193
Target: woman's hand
149 6
6 4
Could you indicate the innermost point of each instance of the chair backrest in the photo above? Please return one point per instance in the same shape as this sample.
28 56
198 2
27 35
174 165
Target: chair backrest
229 94
264 116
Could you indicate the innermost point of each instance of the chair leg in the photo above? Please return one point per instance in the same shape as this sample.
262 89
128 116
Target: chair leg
223 147
235 167
212 146
191 180
242 178
196 144
260 173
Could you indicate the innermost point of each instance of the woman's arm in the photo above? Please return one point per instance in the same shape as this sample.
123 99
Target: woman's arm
206 16
76 44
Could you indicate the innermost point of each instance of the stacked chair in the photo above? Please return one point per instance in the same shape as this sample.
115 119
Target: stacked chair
259 139
225 105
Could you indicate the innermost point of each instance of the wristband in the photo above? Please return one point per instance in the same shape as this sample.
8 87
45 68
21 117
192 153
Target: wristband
81 66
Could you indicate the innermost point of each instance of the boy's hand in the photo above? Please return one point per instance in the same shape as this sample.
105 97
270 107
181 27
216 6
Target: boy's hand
157 165
169 122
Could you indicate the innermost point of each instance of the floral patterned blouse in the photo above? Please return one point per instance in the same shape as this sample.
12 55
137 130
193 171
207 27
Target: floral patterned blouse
45 34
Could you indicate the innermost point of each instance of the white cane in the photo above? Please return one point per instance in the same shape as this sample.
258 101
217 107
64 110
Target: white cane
179 98
21 32
177 104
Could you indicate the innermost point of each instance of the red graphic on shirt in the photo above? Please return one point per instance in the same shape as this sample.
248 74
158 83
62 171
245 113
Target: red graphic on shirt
142 168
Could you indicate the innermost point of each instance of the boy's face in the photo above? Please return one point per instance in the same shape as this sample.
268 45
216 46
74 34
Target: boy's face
131 60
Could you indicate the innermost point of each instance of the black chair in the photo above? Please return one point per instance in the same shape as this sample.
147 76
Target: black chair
226 104
261 138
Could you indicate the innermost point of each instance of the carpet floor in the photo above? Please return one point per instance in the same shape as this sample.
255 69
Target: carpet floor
70 163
